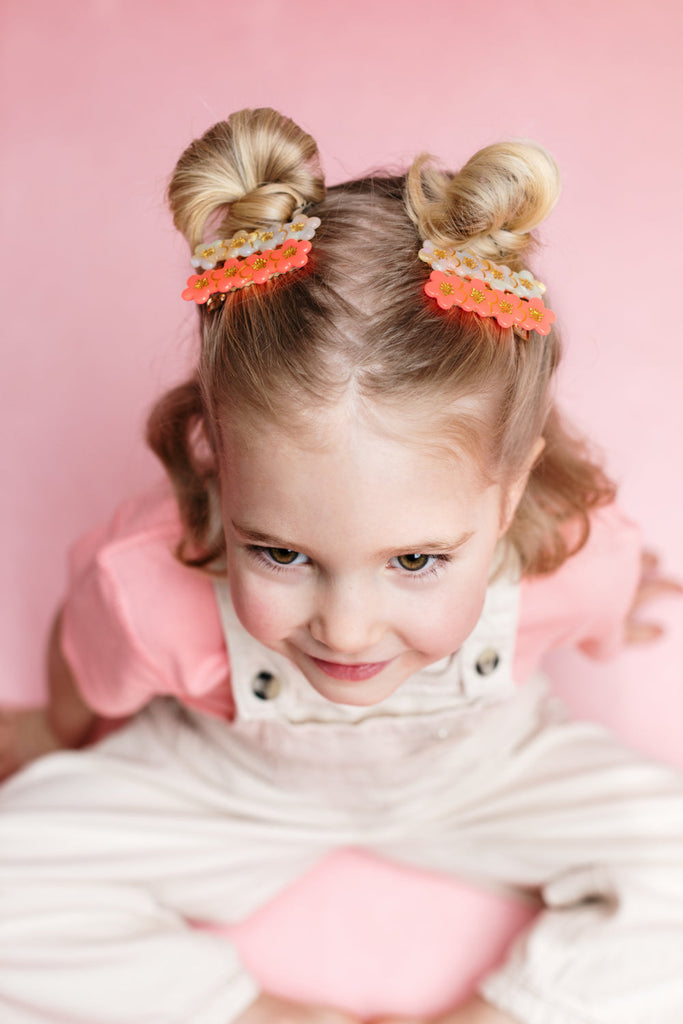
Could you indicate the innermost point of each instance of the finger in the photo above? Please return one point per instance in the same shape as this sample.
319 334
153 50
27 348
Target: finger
657 588
649 560
331 1015
642 632
398 1020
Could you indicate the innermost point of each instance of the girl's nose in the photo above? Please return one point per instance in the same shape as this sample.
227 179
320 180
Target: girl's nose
347 619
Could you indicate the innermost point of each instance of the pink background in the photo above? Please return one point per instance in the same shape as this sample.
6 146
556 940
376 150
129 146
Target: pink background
99 99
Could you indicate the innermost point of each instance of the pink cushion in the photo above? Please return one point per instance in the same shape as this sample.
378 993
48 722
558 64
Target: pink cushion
378 938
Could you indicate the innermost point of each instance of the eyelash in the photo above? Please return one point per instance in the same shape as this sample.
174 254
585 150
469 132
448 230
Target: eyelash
260 554
433 569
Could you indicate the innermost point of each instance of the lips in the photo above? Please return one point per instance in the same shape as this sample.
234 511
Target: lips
350 672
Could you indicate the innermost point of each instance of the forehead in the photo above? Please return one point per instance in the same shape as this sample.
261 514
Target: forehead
452 431
349 481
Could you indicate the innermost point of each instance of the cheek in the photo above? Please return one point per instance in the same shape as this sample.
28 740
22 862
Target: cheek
449 618
452 623
259 607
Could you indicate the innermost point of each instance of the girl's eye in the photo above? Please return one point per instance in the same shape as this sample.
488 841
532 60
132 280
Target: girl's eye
285 556
414 563
276 559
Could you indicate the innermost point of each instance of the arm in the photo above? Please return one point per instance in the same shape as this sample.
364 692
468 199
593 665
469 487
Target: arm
653 584
585 602
127 597
66 721
68 716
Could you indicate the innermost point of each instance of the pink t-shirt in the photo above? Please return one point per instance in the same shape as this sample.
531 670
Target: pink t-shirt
138 624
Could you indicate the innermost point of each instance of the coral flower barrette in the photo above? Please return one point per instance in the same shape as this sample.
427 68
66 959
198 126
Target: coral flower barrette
248 258
512 298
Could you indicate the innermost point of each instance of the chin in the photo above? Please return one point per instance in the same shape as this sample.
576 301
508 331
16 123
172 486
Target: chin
360 695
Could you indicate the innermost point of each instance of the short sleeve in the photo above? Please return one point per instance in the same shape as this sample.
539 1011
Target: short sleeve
585 602
138 624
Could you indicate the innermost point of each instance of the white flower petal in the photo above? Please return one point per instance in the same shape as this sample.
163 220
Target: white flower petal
470 264
527 286
206 255
438 256
451 263
301 228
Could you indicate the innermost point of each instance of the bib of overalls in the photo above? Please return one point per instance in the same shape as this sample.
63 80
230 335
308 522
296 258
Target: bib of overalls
268 687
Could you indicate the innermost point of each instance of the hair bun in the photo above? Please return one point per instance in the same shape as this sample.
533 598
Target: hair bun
491 205
251 171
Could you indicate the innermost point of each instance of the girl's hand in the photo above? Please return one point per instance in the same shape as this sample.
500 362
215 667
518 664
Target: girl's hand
267 1009
25 734
474 1011
651 586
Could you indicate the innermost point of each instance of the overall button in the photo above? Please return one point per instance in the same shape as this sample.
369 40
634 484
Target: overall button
266 686
487 662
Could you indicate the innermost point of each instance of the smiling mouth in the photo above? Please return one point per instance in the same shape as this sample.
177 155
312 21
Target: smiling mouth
350 672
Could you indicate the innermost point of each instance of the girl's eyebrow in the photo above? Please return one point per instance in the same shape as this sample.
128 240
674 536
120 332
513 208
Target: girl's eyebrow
424 547
261 538
434 546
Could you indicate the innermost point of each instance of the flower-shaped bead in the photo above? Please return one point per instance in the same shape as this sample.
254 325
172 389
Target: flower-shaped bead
301 228
438 257
527 286
223 251
470 265
446 260
509 309
199 287
426 253
447 289
261 267
241 244
207 255
269 239
497 275
480 298
451 264
291 255
228 277
538 318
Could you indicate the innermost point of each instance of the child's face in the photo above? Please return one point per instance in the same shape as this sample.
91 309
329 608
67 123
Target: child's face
361 561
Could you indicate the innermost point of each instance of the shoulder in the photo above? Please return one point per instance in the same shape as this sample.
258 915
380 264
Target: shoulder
585 601
134 611
610 554
130 560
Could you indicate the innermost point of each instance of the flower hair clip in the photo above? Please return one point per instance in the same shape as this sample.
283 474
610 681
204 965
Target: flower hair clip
513 298
247 258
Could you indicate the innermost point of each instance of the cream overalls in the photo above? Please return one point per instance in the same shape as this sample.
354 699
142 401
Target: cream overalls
108 854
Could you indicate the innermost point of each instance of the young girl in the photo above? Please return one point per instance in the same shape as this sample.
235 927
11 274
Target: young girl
329 629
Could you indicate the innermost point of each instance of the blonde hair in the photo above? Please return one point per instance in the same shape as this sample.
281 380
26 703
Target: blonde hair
357 317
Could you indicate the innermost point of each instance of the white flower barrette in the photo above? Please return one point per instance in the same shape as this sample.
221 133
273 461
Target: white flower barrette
459 277
208 255
248 258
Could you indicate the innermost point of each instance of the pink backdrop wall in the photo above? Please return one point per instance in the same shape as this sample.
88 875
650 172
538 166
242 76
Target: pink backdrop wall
99 97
